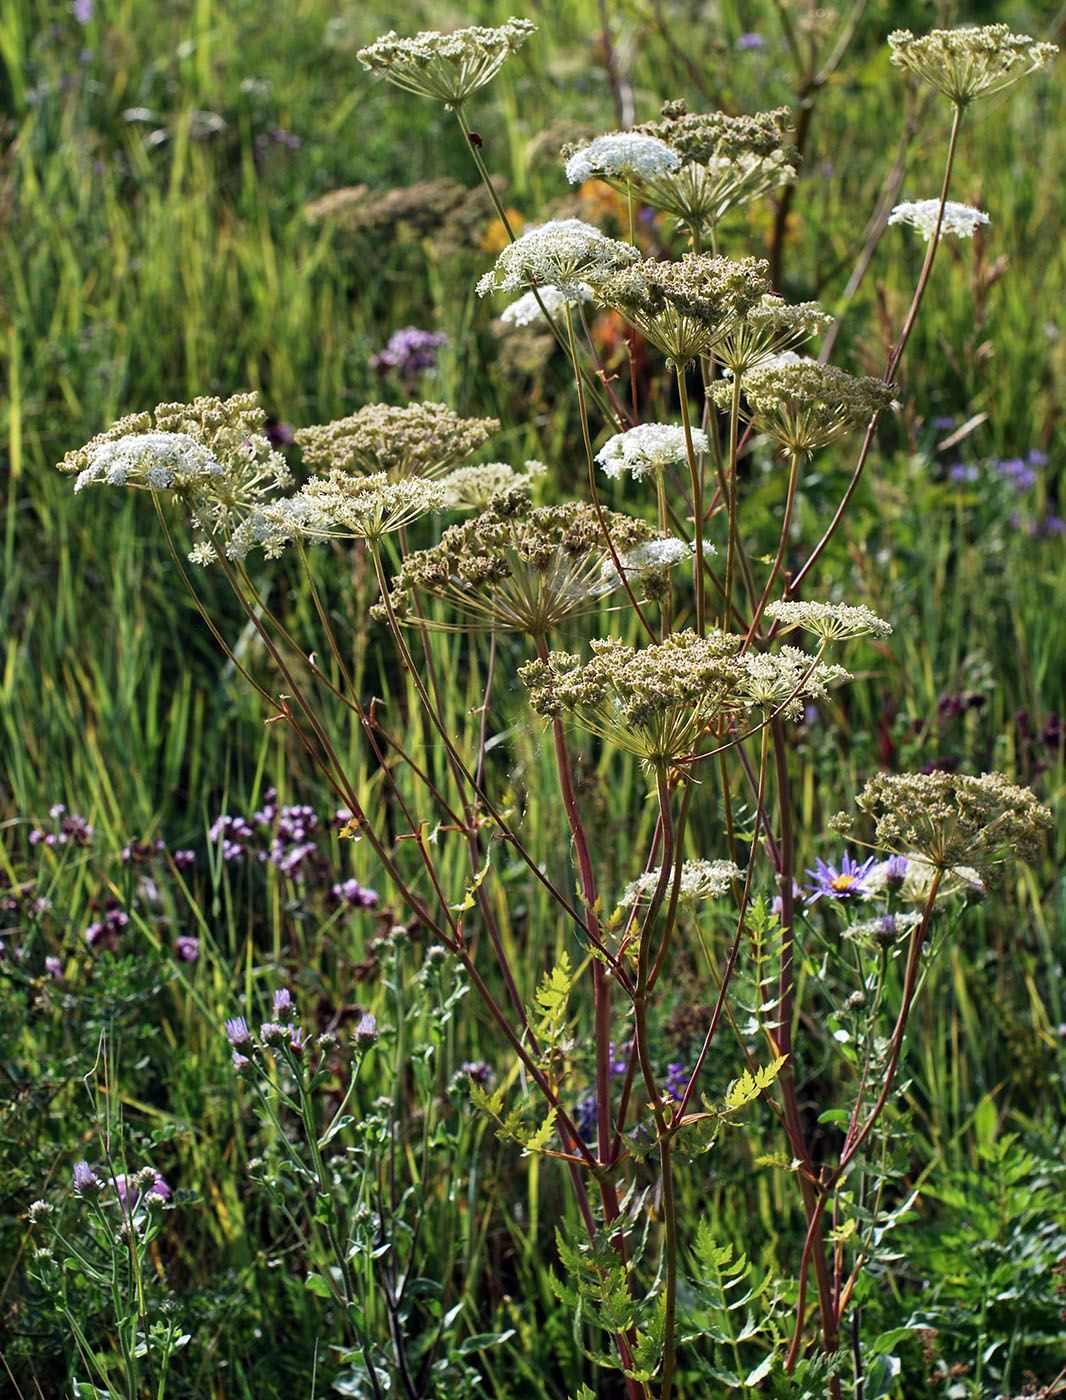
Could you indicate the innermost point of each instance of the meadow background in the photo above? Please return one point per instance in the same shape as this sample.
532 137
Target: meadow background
157 164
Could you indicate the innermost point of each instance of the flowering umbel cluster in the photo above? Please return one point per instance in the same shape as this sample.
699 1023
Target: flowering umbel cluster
446 67
699 880
621 158
212 454
521 568
421 439
567 254
969 62
952 820
961 220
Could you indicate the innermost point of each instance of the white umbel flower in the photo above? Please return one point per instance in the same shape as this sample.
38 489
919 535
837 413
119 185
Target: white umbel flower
526 311
833 622
960 219
647 450
152 461
622 155
700 879
564 253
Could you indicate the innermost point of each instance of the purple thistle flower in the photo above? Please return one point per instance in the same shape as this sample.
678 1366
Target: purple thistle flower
282 1001
366 1033
237 1032
838 883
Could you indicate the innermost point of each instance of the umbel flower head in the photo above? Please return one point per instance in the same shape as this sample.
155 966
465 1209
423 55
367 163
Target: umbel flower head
685 308
786 681
446 67
647 450
969 62
621 158
567 254
212 454
420 439
960 219
700 879
528 311
803 405
952 820
656 702
472 488
521 568
833 622
725 162
342 506
770 328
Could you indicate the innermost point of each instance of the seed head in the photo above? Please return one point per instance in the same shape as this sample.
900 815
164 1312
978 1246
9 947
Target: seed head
656 702
422 439
951 820
686 308
446 67
969 62
520 568
787 680
803 405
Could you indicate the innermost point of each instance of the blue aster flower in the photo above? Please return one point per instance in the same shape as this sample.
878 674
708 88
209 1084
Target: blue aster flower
838 883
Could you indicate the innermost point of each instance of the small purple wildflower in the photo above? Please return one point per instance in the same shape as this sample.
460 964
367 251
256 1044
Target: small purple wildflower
676 1081
187 947
279 434
478 1070
83 10
183 859
1017 472
942 423
129 1194
282 1001
896 871
85 1179
1037 458
355 895
239 1060
411 351
747 42
366 1033
838 883
53 967
964 472
237 1032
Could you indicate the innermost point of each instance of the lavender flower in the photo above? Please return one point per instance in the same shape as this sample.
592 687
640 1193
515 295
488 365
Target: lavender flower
53 967
187 947
838 883
85 1179
411 351
366 1032
282 1001
355 895
237 1032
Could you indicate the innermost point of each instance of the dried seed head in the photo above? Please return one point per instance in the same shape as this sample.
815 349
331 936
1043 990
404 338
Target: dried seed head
803 405
785 681
951 820
421 439
520 568
771 327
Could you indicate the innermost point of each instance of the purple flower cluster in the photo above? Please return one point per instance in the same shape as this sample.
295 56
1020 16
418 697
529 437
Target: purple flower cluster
72 830
273 1034
105 932
354 895
411 351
